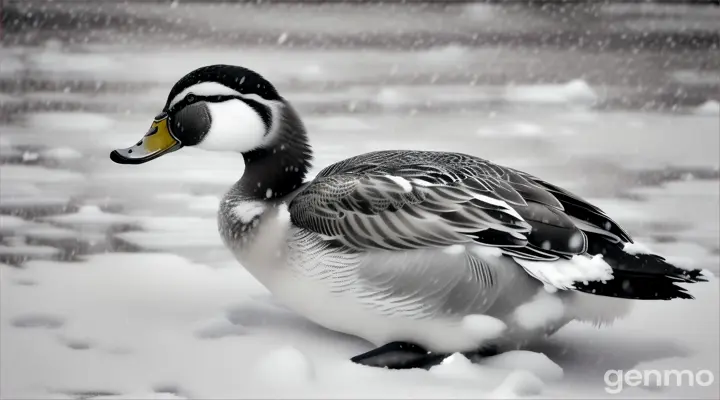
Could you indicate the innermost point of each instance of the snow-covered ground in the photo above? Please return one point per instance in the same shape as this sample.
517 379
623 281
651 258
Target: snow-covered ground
114 282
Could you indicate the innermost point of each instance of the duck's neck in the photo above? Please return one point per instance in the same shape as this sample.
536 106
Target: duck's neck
278 169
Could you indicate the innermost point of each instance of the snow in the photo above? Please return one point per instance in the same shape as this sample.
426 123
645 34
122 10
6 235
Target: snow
69 123
576 93
511 375
536 363
563 274
637 248
519 384
710 108
90 217
38 174
28 251
285 366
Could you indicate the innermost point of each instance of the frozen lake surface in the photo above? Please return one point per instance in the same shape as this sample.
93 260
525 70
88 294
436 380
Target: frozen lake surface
114 281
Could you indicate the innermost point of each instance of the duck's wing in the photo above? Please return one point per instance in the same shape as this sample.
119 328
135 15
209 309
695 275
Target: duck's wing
412 200
392 212
386 201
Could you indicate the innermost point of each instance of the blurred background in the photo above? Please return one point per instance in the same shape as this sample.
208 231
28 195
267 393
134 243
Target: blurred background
616 101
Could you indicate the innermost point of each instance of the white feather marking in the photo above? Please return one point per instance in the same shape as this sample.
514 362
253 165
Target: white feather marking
421 182
205 89
486 251
564 274
454 249
499 203
402 182
248 210
218 89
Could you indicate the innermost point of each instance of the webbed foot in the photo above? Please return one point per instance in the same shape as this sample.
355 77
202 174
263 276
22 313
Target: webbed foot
403 355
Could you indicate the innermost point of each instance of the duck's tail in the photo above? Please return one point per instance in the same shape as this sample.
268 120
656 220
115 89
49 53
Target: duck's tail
638 275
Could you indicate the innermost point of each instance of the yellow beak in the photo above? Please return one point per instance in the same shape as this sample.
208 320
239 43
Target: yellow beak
158 141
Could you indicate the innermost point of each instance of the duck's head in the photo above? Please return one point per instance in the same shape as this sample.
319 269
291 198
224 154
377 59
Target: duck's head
218 107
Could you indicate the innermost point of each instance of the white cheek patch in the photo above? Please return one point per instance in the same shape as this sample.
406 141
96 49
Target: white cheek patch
235 126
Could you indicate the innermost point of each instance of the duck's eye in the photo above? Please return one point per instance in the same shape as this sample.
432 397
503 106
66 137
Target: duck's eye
190 98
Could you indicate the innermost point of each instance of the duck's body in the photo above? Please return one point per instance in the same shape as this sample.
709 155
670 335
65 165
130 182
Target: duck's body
403 291
445 251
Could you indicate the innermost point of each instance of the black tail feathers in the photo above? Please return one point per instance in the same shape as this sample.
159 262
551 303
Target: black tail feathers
638 276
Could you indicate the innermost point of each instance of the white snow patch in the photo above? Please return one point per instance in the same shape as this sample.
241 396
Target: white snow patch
456 366
563 274
710 108
402 182
525 129
543 310
574 93
637 248
536 363
286 366
518 384
483 327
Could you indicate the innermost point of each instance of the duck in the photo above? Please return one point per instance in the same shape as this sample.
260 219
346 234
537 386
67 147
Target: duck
423 254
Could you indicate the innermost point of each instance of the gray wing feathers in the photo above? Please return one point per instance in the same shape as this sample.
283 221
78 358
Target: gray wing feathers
414 199
393 213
